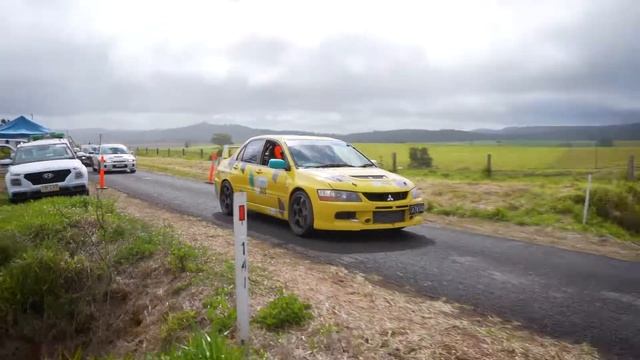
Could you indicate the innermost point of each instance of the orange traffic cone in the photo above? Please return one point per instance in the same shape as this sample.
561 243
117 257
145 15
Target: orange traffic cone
212 169
101 185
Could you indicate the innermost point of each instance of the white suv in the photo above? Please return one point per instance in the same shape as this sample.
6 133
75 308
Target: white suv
43 168
116 158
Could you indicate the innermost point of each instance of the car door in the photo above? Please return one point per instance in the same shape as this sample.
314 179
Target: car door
277 180
244 178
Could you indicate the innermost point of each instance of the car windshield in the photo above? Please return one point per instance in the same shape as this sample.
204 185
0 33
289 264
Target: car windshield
35 153
326 153
114 149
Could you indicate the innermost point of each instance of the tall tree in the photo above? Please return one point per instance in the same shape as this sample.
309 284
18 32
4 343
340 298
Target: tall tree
221 139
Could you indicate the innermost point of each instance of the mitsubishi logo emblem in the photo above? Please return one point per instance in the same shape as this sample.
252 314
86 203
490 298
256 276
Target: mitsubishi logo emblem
47 176
390 198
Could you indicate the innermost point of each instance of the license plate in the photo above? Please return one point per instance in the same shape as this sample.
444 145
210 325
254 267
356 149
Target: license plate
119 166
50 188
416 209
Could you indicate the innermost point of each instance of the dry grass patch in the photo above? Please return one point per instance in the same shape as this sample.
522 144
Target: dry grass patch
488 208
356 318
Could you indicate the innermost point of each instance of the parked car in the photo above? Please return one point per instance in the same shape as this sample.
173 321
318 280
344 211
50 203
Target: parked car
317 183
116 158
6 157
84 158
43 168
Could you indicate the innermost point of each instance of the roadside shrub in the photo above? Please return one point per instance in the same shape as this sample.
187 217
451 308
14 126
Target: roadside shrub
419 158
9 249
177 322
46 287
221 314
619 204
142 246
204 346
284 311
183 257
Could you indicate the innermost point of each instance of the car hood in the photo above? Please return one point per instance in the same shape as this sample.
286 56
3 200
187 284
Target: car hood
111 157
361 179
45 166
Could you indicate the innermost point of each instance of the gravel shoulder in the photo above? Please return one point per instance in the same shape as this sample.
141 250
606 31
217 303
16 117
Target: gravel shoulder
355 316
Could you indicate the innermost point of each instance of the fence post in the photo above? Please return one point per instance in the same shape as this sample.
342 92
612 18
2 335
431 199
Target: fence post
201 154
585 211
394 164
182 152
146 151
489 166
631 168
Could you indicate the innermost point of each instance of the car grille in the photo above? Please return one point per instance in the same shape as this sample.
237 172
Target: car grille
40 178
387 196
388 217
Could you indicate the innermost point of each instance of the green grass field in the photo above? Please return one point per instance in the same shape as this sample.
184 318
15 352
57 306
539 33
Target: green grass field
455 157
472 157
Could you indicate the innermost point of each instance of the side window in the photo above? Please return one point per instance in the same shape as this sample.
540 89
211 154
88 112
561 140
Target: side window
272 150
253 151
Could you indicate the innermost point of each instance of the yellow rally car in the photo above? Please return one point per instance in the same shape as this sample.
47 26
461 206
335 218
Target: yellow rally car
317 183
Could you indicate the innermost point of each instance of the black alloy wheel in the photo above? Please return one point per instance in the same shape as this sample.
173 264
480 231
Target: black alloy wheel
226 198
301 214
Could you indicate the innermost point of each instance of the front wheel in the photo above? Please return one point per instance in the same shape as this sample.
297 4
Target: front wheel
301 214
226 198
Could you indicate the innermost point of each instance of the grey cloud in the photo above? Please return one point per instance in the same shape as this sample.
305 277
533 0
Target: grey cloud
343 84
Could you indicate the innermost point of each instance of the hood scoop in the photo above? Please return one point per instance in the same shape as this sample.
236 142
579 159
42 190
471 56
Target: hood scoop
369 177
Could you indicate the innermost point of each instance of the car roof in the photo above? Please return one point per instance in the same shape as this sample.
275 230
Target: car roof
44 142
285 138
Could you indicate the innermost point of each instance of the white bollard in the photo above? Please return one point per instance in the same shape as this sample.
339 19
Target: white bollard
242 265
585 211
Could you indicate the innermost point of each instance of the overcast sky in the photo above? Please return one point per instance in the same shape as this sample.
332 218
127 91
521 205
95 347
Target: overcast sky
335 66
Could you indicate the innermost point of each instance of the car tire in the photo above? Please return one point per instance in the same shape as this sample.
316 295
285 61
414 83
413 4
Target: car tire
301 214
226 198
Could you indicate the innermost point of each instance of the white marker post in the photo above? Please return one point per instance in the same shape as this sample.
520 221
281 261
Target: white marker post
585 211
242 264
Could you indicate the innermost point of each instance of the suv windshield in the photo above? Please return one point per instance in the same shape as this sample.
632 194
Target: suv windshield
118 149
35 153
326 153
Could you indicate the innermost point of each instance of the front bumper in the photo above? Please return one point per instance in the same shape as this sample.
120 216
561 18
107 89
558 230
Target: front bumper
35 193
366 215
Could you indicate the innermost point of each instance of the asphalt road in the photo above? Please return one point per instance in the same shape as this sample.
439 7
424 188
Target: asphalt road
569 295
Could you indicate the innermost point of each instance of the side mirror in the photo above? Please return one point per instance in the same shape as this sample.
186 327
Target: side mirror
277 164
6 162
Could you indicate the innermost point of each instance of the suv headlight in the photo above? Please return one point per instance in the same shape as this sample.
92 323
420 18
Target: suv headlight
78 174
15 180
337 195
416 193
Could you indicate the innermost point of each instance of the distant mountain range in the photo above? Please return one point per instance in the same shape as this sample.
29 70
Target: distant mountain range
202 132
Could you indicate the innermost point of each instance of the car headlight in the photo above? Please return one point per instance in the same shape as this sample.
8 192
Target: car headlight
78 174
337 195
416 193
15 180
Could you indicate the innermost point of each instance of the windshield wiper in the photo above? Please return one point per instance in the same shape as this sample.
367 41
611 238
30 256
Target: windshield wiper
331 165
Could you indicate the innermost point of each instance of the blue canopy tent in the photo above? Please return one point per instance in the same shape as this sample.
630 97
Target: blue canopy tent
22 128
